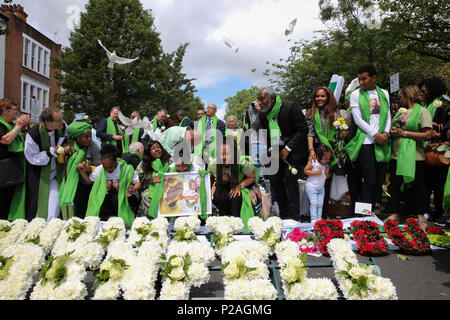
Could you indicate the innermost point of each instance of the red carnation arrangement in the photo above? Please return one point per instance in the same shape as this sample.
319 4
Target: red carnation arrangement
435 230
418 245
368 238
325 231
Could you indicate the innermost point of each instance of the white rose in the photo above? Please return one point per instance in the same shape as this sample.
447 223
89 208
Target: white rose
294 171
402 110
188 234
114 274
345 127
176 274
231 271
60 150
289 274
86 117
163 128
295 262
337 123
437 103
177 262
357 272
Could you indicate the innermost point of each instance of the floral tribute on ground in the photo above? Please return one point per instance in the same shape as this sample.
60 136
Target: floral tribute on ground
186 262
305 241
246 275
358 281
269 231
417 245
223 228
325 231
296 284
368 238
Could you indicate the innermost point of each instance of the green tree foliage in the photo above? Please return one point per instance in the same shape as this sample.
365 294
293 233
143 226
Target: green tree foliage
152 82
3 23
355 35
239 103
424 25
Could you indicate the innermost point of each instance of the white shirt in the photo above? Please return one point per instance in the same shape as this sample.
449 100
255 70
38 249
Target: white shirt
36 157
372 128
316 182
115 175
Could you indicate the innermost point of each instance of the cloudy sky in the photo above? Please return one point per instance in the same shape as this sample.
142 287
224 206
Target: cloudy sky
256 26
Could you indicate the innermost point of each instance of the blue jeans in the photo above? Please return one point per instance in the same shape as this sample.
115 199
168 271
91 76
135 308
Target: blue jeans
315 202
256 152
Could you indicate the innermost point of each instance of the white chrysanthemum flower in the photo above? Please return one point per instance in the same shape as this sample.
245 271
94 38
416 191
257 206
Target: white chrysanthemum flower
192 221
174 290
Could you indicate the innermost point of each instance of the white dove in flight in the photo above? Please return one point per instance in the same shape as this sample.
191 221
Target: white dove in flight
113 58
290 29
231 44
352 86
133 124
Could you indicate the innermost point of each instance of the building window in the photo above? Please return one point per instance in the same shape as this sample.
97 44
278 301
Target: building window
36 56
26 52
24 97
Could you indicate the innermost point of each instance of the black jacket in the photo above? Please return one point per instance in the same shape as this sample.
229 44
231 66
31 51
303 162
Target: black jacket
293 127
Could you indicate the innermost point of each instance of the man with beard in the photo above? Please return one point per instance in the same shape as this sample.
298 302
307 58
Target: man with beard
109 131
286 142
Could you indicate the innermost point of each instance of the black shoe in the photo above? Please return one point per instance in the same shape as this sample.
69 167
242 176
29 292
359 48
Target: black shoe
443 221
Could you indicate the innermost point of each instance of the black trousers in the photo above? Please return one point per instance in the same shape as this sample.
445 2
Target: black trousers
227 206
287 193
6 195
415 198
367 176
80 202
434 182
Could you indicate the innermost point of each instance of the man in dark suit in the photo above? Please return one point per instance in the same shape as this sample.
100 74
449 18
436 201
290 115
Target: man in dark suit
184 120
286 142
112 134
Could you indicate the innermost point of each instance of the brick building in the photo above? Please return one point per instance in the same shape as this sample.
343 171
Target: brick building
25 71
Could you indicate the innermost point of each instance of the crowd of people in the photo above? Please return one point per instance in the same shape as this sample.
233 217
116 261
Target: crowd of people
371 140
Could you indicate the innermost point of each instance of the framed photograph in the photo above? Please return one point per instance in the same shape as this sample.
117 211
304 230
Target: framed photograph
181 195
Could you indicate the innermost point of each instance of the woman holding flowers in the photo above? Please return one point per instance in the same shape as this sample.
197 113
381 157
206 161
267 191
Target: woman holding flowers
327 126
410 127
155 162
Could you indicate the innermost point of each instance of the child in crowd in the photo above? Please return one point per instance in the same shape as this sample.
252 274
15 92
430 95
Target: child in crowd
317 172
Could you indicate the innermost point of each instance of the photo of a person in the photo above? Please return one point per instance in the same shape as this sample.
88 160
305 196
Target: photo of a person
191 197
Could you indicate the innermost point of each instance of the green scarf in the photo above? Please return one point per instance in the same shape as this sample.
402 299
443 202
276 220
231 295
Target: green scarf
155 192
198 149
155 124
111 129
98 193
382 152
126 140
69 185
186 117
328 137
275 132
17 207
406 160
44 180
246 208
432 110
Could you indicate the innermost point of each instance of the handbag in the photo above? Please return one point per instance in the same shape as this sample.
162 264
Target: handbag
12 173
435 158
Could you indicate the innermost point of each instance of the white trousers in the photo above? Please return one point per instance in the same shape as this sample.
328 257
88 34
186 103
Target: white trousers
53 201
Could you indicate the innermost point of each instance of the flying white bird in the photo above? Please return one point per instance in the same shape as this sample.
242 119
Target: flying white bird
231 44
135 123
352 86
290 29
113 58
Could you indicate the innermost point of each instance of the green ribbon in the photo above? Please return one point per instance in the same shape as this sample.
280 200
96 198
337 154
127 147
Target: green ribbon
98 193
157 191
382 152
17 207
327 138
198 149
126 140
432 110
406 160
111 129
275 132
246 208
69 186
44 179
